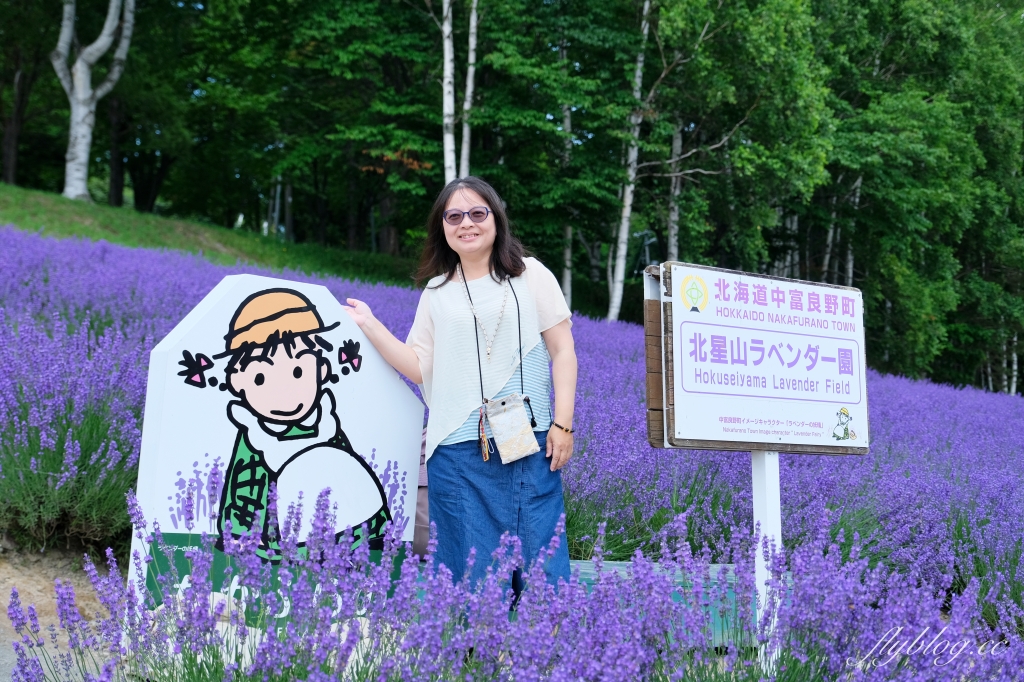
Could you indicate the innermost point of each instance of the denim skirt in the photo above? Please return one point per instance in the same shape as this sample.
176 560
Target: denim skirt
472 502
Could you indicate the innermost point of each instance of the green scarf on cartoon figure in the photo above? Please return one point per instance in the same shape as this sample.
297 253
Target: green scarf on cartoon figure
304 457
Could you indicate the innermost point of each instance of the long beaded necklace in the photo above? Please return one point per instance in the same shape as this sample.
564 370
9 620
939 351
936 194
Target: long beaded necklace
488 339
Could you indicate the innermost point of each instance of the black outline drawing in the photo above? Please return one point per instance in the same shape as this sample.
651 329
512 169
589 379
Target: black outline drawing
348 356
195 369
248 478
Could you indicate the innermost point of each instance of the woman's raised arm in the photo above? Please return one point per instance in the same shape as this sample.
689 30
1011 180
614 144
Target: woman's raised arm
400 356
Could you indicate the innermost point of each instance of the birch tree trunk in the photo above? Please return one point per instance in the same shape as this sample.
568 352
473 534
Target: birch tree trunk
270 212
1013 361
566 160
448 93
849 237
276 227
1004 384
615 298
77 84
289 225
849 260
567 235
609 262
673 195
115 116
352 203
467 102
22 86
593 252
828 242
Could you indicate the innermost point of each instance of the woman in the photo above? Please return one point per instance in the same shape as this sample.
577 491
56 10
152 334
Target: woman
485 302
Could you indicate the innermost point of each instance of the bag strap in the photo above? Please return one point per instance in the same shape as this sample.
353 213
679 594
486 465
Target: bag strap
519 324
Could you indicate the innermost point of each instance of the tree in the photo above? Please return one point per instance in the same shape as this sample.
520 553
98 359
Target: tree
148 131
902 187
448 91
983 332
567 247
77 84
869 144
676 185
26 36
632 153
467 102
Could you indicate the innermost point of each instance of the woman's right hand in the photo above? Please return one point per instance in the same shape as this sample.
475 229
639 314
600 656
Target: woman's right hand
359 312
398 355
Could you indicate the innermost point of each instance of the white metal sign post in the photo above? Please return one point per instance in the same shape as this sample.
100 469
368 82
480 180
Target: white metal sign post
737 361
767 510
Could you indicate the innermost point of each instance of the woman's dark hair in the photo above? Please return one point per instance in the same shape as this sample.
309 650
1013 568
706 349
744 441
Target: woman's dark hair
440 259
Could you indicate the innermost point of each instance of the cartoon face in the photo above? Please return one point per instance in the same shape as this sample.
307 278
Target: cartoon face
279 385
844 418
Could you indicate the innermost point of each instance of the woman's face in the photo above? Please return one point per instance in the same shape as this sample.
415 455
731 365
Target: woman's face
469 238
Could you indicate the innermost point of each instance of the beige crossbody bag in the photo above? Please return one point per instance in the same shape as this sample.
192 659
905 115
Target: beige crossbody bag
512 430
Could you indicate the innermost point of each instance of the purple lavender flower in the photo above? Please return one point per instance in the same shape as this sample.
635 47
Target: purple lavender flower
189 505
924 532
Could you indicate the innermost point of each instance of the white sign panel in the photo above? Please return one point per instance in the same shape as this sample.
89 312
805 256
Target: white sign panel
765 360
270 382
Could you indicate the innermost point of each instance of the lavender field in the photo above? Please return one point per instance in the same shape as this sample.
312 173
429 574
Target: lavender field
925 531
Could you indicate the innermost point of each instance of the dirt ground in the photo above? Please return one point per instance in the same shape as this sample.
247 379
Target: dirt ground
33 574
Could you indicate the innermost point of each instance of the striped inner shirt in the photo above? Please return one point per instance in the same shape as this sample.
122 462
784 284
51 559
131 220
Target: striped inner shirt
537 384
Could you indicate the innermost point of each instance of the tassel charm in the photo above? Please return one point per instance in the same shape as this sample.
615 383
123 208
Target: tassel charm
484 446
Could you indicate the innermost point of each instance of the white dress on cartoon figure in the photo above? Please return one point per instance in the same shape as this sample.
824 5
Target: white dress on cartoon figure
310 464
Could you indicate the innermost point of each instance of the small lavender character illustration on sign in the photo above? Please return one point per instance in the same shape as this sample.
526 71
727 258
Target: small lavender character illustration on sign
842 431
287 422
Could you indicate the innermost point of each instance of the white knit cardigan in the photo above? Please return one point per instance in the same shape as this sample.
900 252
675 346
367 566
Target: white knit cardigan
442 336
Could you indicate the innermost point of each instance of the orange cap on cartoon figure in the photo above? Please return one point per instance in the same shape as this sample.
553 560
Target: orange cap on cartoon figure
845 411
270 312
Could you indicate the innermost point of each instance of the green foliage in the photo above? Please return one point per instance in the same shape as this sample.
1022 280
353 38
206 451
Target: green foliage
997 569
875 144
40 511
623 529
54 215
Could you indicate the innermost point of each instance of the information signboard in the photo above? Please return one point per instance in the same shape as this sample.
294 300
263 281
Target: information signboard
753 362
737 361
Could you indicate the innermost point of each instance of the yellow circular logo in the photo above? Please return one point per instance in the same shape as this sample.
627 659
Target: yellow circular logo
694 292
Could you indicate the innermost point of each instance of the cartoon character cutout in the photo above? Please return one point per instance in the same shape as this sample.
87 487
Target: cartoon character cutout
289 433
842 431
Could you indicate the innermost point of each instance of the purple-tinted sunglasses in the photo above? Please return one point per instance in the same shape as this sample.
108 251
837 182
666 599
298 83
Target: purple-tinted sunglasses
477 214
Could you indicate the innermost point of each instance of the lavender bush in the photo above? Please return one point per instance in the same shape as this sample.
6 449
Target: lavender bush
931 519
330 613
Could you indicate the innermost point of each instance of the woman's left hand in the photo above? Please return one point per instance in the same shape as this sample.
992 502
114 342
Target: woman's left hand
559 447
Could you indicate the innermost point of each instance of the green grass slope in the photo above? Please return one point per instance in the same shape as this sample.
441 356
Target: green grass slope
55 216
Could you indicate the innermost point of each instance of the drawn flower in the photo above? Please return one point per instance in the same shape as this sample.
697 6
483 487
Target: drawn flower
348 356
195 368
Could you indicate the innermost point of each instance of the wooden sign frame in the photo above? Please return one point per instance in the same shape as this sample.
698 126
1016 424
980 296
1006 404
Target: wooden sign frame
658 342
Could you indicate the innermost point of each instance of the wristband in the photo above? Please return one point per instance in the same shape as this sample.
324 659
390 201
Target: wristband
563 428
